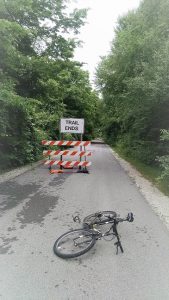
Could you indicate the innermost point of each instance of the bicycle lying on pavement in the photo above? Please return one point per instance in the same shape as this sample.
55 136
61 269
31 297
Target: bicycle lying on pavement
77 242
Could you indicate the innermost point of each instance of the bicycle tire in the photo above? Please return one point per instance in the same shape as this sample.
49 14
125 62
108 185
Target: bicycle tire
79 233
93 219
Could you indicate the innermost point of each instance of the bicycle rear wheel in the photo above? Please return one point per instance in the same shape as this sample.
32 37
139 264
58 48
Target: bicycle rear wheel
96 219
74 243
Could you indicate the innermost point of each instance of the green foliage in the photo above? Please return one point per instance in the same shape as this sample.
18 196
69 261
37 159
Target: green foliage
164 160
47 22
40 81
19 137
133 80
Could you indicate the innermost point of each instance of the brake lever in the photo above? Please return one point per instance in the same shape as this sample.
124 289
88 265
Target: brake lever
130 217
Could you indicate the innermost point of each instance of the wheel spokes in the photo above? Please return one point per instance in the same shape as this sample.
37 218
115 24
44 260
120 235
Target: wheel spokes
74 242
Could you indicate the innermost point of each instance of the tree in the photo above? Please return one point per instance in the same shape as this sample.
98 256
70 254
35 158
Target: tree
42 82
134 81
48 24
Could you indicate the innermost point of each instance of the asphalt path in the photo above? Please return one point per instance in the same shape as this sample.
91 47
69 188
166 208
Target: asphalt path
36 208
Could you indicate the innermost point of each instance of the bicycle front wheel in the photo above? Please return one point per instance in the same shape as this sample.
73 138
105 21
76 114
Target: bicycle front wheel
74 243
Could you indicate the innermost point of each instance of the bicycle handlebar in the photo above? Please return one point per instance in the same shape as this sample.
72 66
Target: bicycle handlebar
129 218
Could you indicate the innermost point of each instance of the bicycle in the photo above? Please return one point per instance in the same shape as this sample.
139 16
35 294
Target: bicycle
79 241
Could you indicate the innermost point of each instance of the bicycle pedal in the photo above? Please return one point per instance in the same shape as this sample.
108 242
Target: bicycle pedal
76 219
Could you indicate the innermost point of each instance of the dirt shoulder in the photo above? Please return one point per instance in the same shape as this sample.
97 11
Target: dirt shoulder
18 171
156 199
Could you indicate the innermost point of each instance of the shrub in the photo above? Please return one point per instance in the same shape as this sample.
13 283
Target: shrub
19 136
164 160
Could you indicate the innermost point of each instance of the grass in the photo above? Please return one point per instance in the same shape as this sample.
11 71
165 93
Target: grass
151 173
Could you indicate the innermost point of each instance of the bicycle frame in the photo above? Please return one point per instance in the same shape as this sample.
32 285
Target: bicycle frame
99 235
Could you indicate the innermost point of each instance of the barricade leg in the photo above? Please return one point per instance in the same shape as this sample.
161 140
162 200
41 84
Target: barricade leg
80 158
85 168
50 168
61 160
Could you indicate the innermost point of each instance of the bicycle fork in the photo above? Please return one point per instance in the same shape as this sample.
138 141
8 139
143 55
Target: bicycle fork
118 243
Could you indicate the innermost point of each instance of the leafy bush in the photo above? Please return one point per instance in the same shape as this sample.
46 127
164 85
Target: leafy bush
19 137
164 160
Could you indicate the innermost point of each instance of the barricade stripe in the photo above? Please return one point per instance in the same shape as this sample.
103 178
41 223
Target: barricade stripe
86 143
47 143
66 143
58 162
49 162
73 152
50 152
82 153
46 153
67 163
66 152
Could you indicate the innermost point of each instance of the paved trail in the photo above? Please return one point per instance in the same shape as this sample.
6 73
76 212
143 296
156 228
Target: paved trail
35 208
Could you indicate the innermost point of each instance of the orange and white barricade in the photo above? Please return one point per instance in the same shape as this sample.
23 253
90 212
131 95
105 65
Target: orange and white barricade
51 154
